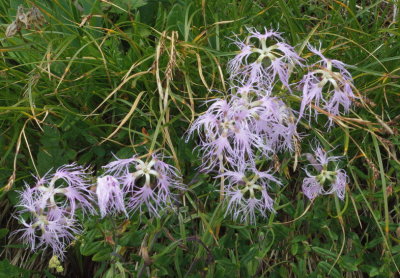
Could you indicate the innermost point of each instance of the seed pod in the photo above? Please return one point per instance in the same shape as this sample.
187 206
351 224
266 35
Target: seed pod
35 17
21 16
13 29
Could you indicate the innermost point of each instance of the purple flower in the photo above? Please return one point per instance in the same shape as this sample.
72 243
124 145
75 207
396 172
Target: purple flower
276 123
260 63
225 133
332 78
327 181
244 129
247 194
57 231
148 184
50 228
215 125
50 207
110 197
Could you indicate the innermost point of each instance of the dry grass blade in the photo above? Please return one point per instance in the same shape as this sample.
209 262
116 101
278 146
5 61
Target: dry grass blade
116 90
126 118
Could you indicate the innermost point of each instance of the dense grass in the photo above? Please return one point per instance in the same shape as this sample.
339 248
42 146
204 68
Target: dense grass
130 77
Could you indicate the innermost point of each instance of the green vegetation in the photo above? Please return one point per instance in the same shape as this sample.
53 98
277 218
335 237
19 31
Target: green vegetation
129 76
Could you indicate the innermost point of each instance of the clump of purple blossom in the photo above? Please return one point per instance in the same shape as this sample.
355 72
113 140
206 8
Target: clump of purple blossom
127 184
245 128
255 122
238 135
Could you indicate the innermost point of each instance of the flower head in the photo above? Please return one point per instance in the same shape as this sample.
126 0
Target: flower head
326 181
147 184
25 18
329 85
262 61
51 227
225 133
247 193
244 129
50 207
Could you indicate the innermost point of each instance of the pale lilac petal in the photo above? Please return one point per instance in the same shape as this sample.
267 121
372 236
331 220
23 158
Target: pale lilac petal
339 186
144 197
311 188
110 196
119 166
268 34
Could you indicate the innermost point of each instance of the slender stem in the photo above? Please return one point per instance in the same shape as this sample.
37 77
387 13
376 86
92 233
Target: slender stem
221 190
222 185
384 189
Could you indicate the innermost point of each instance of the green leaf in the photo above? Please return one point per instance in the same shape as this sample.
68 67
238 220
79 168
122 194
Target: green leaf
396 249
102 255
324 252
294 249
374 272
349 263
299 238
88 249
3 232
250 255
7 270
326 268
374 242
123 6
50 155
13 197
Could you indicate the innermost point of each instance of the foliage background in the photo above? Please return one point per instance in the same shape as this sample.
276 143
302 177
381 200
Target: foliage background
128 76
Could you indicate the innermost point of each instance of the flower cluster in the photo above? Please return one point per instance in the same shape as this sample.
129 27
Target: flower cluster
51 205
238 136
249 125
238 133
47 210
255 121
